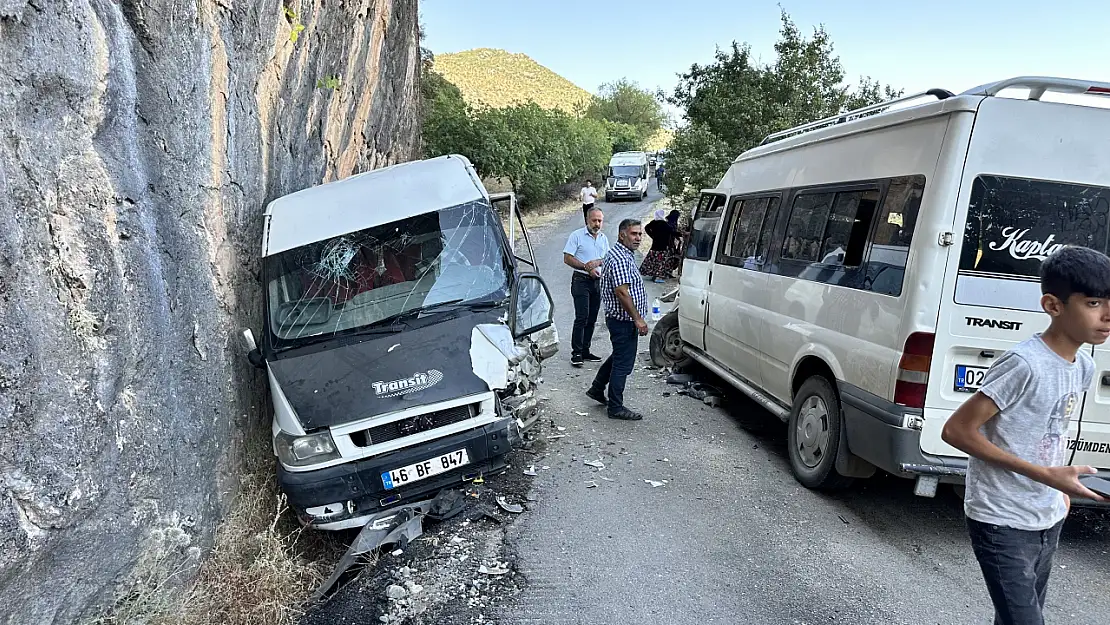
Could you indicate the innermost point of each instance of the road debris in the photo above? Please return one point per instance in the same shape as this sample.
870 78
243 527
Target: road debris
680 378
498 568
597 464
531 471
561 428
515 508
555 436
591 484
655 484
608 479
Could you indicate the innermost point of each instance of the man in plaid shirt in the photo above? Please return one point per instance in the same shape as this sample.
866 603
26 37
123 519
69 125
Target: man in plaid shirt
625 302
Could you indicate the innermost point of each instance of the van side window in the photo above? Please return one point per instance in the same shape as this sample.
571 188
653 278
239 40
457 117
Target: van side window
1015 223
807 226
741 242
703 232
890 245
848 226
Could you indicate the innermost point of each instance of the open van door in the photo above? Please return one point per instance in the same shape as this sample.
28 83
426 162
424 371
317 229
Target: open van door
523 252
697 268
1037 176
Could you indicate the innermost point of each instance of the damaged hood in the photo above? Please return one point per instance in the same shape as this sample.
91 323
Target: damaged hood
330 385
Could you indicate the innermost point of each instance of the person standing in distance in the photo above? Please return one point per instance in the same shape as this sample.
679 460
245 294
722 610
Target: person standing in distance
622 293
1015 428
584 252
588 194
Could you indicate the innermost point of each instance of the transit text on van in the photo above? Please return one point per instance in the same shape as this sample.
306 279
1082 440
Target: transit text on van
416 382
993 323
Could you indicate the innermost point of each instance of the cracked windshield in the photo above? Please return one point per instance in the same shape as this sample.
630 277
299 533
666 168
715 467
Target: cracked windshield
366 278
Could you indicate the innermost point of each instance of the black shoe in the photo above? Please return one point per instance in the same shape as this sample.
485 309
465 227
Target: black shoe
592 358
598 396
576 361
624 414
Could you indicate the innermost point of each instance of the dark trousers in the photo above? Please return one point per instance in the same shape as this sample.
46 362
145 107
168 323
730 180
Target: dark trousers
1015 565
586 208
618 366
586 293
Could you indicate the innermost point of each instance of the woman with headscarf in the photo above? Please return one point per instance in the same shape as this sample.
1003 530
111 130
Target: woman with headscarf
658 263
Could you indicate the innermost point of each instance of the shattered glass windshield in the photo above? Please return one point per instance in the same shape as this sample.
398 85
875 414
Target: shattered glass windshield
367 278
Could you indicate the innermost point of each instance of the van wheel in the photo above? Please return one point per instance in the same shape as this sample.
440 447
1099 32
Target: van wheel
665 344
813 436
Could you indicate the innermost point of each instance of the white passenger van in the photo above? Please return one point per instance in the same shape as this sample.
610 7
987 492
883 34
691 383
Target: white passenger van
403 337
627 176
858 275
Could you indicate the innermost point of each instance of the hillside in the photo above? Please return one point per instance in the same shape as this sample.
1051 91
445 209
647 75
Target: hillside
498 78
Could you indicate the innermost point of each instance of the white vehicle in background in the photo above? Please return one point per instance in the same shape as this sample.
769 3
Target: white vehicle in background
627 176
858 275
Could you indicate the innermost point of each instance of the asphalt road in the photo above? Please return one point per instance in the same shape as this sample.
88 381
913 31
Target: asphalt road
731 537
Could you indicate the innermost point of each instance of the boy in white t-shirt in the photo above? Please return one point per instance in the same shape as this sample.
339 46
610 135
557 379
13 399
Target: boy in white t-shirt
1015 428
588 194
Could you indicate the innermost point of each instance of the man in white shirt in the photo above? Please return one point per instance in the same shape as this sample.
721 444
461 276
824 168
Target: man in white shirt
588 194
584 252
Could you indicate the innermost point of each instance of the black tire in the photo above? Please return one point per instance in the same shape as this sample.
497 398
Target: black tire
812 455
665 344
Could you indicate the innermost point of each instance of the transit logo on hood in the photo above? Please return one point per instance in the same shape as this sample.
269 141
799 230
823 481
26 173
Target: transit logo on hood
417 382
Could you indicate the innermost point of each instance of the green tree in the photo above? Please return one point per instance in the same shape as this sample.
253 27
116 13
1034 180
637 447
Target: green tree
624 102
732 104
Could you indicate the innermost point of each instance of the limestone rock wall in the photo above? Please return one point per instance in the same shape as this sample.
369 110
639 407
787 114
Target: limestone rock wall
139 143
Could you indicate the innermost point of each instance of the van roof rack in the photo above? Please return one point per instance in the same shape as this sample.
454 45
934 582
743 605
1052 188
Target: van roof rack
1038 85
841 118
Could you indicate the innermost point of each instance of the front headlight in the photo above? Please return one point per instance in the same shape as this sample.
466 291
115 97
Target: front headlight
299 451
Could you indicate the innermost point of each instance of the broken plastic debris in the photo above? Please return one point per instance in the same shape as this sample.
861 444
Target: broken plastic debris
654 484
497 569
396 592
554 436
581 414
478 480
561 428
530 471
393 348
608 479
515 508
591 484
680 378
597 464
397 552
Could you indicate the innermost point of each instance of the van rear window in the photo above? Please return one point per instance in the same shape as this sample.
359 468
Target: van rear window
1013 224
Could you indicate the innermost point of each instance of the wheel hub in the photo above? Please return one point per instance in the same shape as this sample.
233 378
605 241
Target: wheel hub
672 345
813 431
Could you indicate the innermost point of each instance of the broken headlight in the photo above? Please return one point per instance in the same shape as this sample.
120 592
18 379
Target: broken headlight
299 451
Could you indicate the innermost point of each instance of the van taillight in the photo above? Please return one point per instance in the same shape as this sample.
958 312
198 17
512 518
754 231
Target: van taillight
913 371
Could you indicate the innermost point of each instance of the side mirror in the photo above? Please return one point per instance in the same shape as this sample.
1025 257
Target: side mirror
531 308
254 355
247 336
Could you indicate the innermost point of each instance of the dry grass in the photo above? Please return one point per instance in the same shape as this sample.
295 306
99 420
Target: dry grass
498 78
262 565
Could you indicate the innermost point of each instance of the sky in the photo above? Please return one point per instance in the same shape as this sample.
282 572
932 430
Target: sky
910 45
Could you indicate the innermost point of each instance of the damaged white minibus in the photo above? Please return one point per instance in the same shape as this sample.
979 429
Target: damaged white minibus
858 275
403 335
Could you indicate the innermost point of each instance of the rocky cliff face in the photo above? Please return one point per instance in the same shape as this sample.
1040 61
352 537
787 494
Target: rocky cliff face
139 143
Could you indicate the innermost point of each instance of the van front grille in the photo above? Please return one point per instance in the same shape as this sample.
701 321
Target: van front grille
413 425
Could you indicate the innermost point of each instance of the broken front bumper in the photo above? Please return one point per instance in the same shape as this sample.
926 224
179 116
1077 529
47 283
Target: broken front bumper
352 492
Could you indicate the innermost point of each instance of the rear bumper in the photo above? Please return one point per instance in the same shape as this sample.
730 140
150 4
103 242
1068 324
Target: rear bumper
354 491
876 433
